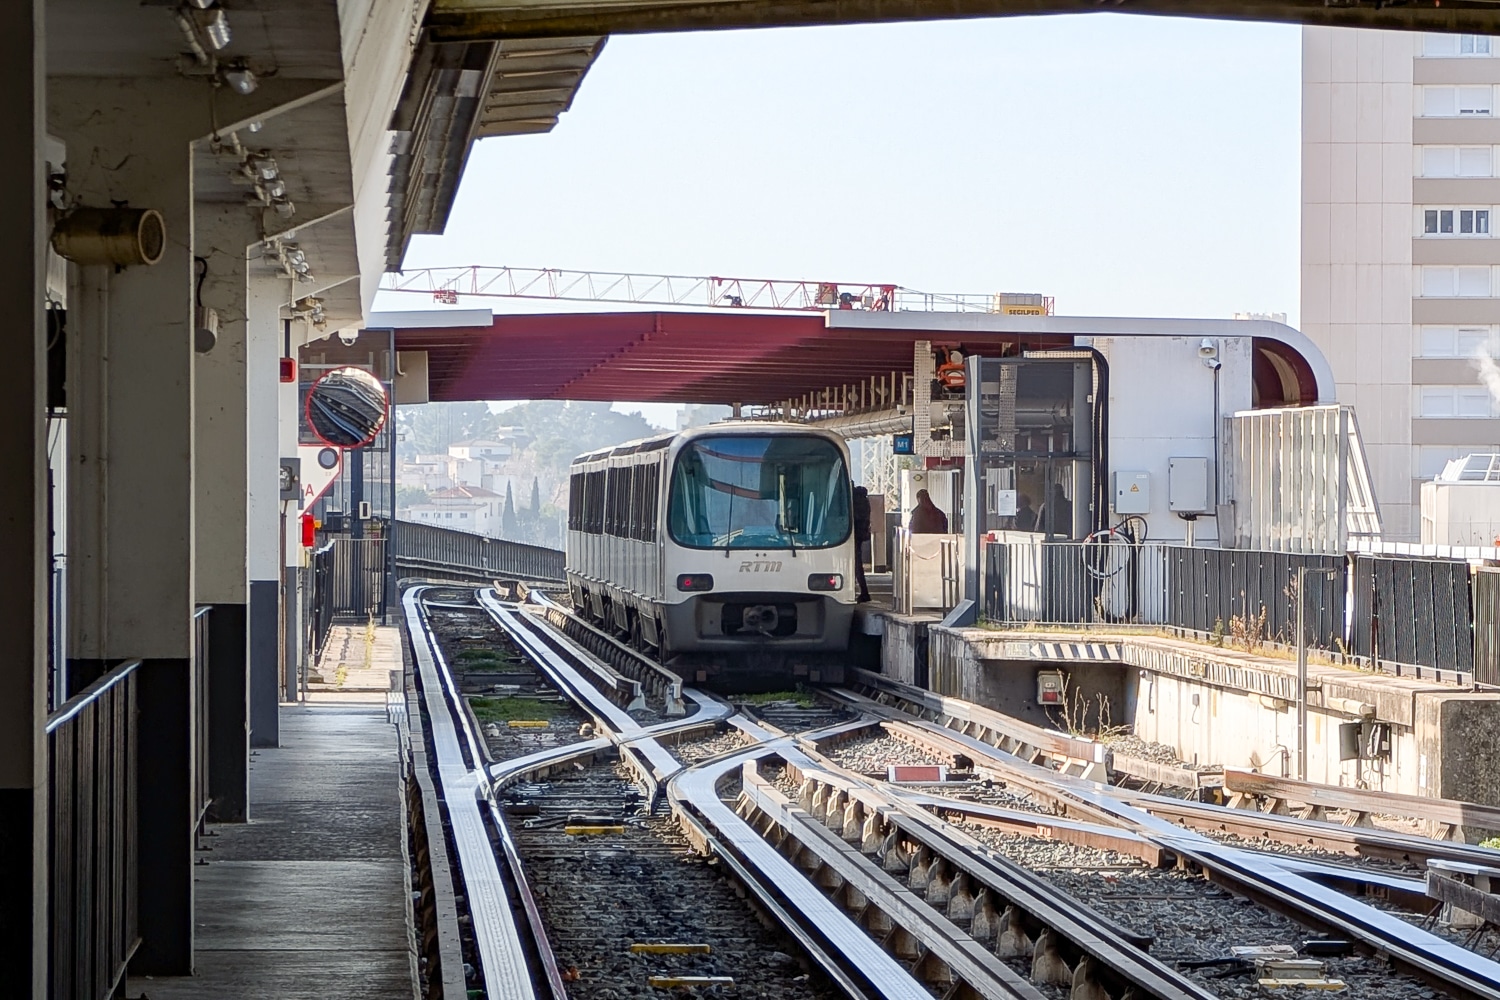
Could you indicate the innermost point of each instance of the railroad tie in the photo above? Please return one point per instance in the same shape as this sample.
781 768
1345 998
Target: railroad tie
1010 937
1047 965
985 922
1085 986
921 862
960 900
939 883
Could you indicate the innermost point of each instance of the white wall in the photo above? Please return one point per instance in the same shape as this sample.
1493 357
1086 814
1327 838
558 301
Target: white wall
1210 725
1161 406
1460 513
1357 104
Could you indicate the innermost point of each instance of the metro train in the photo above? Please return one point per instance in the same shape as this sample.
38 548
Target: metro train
727 551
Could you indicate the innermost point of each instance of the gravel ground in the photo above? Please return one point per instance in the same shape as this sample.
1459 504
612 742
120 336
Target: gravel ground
601 894
1191 919
1133 746
872 754
1315 854
694 751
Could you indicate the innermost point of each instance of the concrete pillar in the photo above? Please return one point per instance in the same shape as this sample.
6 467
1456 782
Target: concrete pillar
23 515
263 347
222 238
131 584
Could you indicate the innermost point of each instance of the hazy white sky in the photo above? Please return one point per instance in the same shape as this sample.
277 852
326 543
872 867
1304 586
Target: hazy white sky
1125 165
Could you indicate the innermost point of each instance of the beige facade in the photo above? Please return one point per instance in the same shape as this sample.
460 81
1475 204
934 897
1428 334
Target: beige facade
1400 265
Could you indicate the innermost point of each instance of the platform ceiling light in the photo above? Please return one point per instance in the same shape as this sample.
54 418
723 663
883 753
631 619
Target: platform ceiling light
239 78
215 24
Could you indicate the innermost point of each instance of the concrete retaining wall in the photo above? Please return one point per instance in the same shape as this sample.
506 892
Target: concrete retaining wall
1217 705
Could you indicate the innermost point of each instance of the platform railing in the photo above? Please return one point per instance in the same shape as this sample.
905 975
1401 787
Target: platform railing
420 547
91 754
202 669
1230 593
322 598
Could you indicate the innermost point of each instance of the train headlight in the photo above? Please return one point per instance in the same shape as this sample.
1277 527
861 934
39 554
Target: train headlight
695 582
826 581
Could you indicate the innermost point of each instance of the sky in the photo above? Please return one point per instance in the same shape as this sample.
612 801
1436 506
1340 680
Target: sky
1125 165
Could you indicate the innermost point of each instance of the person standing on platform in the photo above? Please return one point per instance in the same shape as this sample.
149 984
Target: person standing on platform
861 537
926 519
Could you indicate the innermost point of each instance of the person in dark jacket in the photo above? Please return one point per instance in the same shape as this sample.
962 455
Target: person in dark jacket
926 519
861 536
1025 514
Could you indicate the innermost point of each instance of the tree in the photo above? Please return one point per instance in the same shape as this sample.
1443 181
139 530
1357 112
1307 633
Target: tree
510 526
407 496
429 428
536 499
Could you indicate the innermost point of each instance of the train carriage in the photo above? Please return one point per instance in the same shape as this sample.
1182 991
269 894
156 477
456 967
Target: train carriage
728 551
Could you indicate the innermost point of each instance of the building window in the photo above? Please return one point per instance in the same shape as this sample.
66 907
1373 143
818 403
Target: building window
1456 341
1456 161
1431 459
1455 402
1446 282
1451 46
1455 222
1458 102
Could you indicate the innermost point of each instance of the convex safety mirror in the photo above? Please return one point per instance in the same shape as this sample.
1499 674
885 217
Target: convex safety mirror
347 407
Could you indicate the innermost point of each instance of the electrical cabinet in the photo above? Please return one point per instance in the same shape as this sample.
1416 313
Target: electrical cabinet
1132 491
1188 486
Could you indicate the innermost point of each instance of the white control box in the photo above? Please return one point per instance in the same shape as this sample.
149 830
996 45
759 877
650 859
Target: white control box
1187 486
1132 492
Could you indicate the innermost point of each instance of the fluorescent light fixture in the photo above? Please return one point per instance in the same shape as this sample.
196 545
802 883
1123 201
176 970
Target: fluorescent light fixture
216 28
239 78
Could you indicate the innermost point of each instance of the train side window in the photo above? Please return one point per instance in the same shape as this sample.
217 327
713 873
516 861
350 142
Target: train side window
653 501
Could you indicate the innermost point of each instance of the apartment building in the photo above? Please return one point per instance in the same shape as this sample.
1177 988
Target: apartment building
1400 267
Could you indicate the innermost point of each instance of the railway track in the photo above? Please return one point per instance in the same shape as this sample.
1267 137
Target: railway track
1014 875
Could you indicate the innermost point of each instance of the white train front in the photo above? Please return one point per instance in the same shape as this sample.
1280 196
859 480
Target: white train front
727 550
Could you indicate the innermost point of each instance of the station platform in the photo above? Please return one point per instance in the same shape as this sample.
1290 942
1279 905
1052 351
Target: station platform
311 898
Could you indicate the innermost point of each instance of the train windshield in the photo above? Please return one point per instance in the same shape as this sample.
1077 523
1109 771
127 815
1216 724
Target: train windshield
760 492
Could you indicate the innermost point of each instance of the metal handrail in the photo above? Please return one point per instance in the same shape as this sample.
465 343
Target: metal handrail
76 704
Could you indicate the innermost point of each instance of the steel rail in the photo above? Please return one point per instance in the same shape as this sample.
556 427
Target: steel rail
1204 816
839 945
968 960
504 964
1417 952
834 942
1120 953
666 684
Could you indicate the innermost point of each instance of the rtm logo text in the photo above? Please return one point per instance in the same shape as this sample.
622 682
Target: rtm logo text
759 566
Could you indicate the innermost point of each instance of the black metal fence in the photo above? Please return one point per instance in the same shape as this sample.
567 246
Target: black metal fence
1486 585
1391 610
322 599
1413 611
421 547
1210 589
358 578
92 917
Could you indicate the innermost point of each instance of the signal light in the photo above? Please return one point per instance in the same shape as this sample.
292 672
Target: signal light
695 582
826 581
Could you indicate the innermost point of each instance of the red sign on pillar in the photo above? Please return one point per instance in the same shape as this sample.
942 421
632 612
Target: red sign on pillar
309 531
